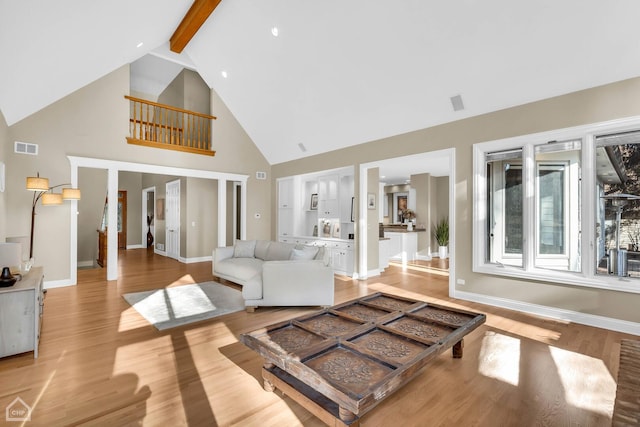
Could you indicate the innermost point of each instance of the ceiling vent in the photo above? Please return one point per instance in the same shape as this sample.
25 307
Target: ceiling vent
456 101
25 148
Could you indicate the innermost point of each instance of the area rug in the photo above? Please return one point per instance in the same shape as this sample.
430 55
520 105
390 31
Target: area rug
170 307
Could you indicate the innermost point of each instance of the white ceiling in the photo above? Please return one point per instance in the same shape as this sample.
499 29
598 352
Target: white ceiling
340 72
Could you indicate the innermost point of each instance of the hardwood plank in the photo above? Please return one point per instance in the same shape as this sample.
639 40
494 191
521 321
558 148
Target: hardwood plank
101 363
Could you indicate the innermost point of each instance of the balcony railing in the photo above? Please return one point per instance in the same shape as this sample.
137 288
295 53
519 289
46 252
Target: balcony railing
162 126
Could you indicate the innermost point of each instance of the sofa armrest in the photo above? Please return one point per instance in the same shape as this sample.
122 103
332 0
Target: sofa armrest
222 253
298 282
219 254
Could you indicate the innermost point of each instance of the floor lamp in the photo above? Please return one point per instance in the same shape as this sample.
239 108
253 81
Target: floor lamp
41 189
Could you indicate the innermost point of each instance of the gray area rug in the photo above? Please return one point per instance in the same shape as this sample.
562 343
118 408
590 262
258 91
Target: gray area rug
170 307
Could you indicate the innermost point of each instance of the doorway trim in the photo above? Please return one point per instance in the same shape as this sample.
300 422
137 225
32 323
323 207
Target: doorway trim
115 166
363 272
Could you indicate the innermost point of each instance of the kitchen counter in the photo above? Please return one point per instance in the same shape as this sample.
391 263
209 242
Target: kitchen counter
401 229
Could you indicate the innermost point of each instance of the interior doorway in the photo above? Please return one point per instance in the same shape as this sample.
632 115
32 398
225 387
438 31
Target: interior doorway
148 216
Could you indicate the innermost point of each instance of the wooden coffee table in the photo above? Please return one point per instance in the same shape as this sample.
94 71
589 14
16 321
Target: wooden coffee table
342 361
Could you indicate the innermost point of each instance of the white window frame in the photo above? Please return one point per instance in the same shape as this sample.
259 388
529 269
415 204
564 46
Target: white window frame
587 276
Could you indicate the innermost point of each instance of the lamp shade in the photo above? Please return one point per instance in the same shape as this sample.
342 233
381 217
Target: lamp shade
71 193
52 199
35 183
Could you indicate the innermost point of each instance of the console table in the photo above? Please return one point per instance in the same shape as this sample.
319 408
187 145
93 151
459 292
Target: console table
21 308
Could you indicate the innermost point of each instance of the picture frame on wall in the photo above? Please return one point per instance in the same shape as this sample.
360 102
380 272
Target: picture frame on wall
335 230
313 205
371 201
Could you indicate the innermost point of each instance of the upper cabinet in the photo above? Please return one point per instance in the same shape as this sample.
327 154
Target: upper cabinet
328 193
285 193
285 207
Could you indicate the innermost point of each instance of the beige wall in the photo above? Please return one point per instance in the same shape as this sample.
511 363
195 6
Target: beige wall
5 147
93 185
131 182
373 230
422 184
93 122
201 217
603 103
441 204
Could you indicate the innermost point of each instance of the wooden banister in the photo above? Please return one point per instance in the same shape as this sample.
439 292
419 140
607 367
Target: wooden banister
164 126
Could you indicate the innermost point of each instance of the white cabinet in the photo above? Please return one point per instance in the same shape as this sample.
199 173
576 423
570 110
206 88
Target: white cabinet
285 222
403 246
285 193
285 207
340 257
21 308
328 196
383 253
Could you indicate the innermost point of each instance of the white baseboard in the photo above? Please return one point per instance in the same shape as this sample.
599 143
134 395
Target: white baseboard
135 247
197 259
89 263
553 313
156 251
57 283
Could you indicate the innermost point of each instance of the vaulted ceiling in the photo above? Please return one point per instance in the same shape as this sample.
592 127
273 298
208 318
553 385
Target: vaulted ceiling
339 72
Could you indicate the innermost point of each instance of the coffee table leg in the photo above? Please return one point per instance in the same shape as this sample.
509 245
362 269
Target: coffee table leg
457 349
346 415
266 384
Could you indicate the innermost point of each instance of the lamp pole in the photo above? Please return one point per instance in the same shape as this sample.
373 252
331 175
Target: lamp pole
37 195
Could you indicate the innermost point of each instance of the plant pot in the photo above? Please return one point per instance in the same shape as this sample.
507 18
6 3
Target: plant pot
442 252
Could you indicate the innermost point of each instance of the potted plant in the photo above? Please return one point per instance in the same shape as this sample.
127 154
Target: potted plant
441 233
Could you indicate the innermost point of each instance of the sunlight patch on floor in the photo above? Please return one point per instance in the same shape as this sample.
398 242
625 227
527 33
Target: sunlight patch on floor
187 279
586 381
529 330
423 268
499 358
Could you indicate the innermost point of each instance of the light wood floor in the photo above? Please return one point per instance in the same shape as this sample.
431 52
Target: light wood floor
102 364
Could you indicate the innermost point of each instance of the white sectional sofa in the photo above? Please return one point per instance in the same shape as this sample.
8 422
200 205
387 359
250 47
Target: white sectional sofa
276 273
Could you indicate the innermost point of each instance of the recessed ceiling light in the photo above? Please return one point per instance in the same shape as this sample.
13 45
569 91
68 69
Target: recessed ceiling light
274 31
139 44
224 74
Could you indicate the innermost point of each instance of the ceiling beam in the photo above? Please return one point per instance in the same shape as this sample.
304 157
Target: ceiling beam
191 23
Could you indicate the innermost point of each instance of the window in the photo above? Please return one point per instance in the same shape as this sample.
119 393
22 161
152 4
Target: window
504 220
534 218
618 190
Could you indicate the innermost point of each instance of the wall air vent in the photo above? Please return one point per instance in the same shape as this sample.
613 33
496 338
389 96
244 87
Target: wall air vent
456 102
261 175
25 148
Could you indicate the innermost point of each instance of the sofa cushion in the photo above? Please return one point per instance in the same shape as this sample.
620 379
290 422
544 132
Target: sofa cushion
279 251
262 246
304 253
241 268
244 249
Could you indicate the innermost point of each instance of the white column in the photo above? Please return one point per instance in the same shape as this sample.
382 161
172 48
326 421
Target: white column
222 212
112 224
